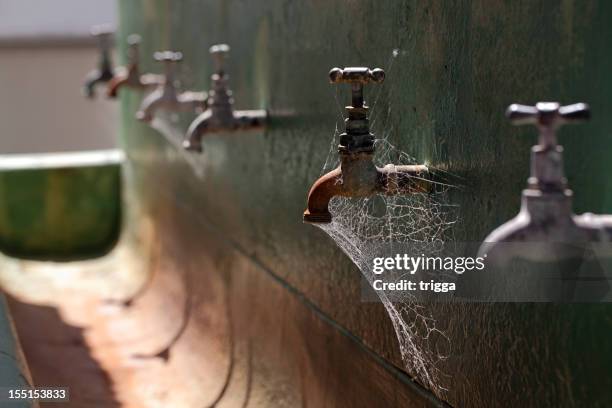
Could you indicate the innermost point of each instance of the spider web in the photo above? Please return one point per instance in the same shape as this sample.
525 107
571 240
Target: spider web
363 227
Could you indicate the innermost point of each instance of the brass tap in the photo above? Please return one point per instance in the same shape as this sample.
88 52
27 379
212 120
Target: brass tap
220 115
357 175
166 96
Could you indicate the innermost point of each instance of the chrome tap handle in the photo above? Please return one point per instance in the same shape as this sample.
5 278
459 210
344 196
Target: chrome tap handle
168 56
548 117
547 173
357 77
522 114
577 112
170 59
219 53
547 114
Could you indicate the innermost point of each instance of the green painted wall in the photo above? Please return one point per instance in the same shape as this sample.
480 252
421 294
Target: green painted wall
459 66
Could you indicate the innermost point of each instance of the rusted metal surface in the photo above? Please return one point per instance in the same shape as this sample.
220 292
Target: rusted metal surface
220 115
357 175
193 337
130 75
105 70
167 96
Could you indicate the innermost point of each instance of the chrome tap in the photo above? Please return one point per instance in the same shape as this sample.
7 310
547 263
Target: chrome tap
166 95
104 72
130 76
546 217
220 115
357 175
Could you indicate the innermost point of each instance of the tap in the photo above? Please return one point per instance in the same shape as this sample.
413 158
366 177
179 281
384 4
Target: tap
166 95
220 115
357 175
104 72
130 76
546 220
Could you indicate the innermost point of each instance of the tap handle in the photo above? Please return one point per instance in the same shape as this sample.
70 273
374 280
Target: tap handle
357 77
103 33
548 116
219 53
577 112
170 59
133 41
522 114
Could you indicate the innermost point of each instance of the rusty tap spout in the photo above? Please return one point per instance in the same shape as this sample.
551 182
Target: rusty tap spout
129 76
166 96
357 175
220 115
104 72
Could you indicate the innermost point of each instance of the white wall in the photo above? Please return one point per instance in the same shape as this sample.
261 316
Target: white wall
56 18
43 59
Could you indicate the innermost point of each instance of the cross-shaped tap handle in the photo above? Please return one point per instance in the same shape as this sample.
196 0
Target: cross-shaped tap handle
169 58
360 75
548 117
219 53
357 77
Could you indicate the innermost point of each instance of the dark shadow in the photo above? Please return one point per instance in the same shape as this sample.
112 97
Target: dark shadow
249 386
58 356
232 356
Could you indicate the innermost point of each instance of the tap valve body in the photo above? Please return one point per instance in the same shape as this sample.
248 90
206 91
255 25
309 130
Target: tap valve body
220 95
167 96
220 115
357 137
130 76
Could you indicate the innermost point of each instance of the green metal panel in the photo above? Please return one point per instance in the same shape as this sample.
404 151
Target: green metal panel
59 206
459 65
